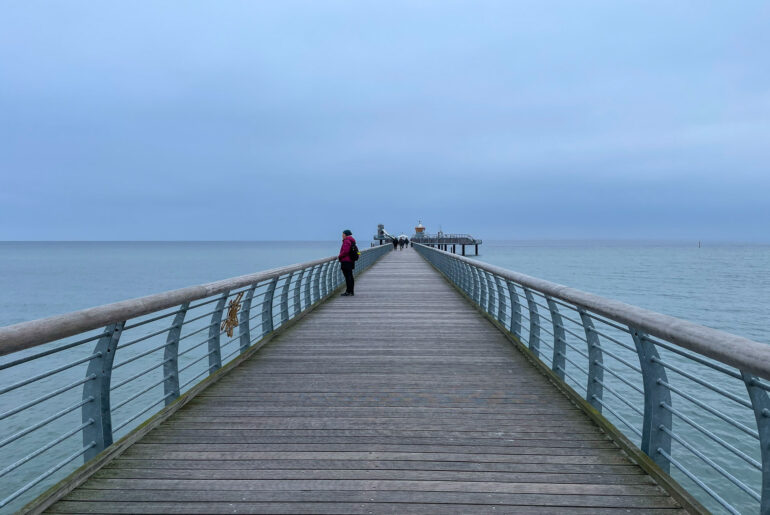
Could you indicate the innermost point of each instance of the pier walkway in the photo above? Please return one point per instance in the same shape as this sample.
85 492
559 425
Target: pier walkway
403 399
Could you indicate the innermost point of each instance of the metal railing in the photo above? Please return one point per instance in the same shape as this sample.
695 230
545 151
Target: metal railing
692 397
427 239
72 384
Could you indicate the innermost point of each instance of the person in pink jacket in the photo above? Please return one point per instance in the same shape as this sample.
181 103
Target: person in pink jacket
346 262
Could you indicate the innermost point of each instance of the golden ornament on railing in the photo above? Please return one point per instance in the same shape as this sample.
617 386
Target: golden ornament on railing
231 322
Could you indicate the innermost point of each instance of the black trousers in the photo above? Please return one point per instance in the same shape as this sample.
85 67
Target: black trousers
347 271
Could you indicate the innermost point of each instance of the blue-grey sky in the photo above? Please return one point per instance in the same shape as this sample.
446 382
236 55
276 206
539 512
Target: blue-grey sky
294 120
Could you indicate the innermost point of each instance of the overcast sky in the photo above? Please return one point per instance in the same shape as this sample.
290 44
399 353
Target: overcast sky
294 120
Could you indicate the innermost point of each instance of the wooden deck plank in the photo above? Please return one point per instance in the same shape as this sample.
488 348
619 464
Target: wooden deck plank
340 508
406 465
402 399
421 496
533 476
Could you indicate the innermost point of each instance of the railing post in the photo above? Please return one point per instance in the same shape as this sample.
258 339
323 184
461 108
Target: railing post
325 279
515 325
331 275
501 305
308 281
594 387
285 299
760 401
482 287
329 280
655 396
558 363
297 293
171 356
465 278
442 266
244 322
490 294
267 307
97 393
317 283
472 282
322 281
456 273
446 268
215 351
534 323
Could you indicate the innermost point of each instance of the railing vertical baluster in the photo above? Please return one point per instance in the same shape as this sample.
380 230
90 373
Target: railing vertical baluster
655 396
97 392
244 322
760 401
515 326
501 305
297 293
285 298
558 363
594 388
171 356
267 307
215 351
534 323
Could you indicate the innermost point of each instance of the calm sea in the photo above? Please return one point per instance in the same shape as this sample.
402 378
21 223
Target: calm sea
721 286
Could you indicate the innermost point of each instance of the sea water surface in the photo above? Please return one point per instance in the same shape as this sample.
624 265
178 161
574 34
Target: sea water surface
722 286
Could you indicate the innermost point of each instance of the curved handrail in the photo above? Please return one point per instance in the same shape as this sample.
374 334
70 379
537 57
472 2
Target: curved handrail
727 348
25 335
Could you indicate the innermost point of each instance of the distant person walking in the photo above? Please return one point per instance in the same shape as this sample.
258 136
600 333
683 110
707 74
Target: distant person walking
395 244
348 257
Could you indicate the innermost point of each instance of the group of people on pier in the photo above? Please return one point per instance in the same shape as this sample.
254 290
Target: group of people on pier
400 243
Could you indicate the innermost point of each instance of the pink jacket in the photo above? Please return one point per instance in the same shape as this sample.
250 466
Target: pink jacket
344 256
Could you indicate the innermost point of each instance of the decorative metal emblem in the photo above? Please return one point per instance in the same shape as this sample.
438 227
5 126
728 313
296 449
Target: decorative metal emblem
231 322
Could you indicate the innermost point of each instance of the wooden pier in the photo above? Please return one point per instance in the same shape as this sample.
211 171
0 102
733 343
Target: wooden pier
402 399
